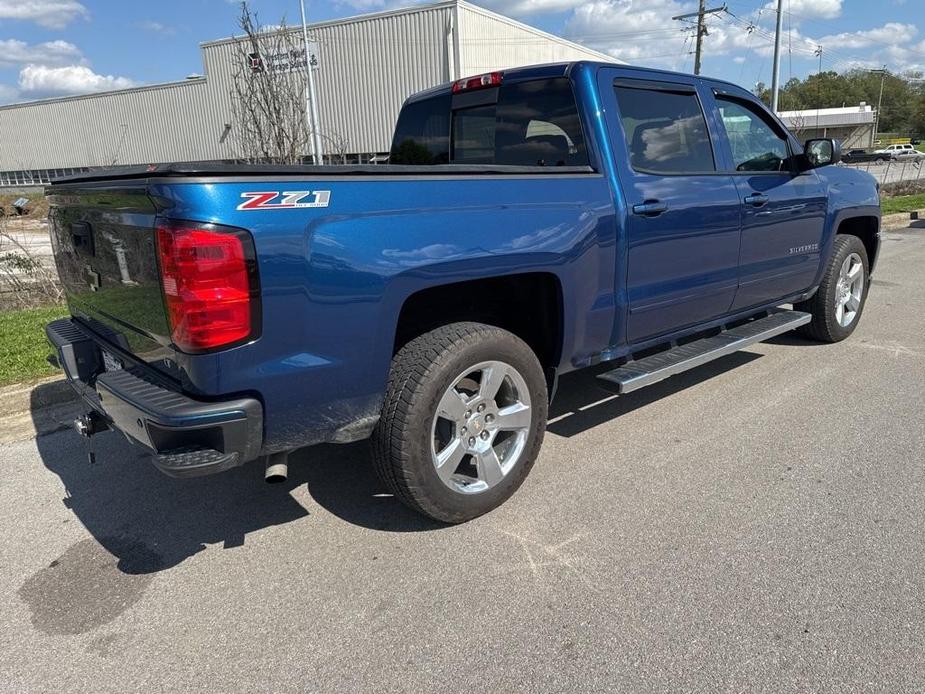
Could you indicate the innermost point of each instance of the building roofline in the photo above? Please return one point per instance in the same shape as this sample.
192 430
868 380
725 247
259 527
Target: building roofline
835 111
112 92
353 19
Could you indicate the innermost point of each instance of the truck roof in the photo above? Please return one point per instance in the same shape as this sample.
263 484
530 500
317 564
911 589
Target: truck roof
547 70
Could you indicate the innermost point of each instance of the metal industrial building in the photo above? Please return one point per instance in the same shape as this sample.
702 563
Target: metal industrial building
367 66
853 125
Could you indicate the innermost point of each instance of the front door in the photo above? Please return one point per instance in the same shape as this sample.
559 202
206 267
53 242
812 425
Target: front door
684 215
783 210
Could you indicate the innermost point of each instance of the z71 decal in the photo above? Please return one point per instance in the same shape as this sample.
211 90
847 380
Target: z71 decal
285 201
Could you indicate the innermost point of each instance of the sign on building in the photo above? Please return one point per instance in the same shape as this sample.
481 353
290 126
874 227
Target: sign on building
285 61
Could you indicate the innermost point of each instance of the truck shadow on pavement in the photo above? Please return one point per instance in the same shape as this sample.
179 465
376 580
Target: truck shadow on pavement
584 401
150 522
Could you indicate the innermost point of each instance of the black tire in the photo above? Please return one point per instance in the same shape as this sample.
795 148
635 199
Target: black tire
824 325
421 373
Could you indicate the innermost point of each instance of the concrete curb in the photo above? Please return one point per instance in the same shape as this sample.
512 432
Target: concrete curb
36 409
901 219
23 397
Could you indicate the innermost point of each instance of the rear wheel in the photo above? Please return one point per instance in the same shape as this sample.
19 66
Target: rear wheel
837 305
462 422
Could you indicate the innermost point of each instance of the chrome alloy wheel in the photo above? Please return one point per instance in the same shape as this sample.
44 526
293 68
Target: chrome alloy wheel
850 290
481 427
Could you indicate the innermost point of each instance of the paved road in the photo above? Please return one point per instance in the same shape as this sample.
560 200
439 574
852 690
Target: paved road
906 169
756 525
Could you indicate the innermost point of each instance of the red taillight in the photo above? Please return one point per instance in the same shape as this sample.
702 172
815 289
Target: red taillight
209 285
489 79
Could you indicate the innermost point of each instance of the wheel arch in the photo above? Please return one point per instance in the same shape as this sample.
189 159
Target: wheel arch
530 305
866 228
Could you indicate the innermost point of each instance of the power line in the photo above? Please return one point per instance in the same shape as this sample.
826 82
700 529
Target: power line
836 52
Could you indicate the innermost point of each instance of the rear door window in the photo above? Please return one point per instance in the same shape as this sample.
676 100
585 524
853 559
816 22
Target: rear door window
532 123
665 129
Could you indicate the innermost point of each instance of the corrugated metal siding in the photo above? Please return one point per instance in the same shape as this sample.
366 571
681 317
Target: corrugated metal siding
367 69
489 42
168 122
368 66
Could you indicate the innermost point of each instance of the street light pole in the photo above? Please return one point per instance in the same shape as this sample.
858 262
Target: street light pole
775 76
311 100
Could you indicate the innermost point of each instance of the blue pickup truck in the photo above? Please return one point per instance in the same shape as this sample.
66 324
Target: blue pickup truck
530 223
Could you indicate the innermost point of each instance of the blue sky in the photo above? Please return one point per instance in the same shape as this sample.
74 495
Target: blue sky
57 47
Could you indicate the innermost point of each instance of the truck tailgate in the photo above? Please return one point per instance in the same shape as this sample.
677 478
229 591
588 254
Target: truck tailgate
103 236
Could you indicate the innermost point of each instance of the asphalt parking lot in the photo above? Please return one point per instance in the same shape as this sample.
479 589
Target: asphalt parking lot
756 525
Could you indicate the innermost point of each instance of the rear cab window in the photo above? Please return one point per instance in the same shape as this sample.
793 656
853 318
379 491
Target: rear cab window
526 123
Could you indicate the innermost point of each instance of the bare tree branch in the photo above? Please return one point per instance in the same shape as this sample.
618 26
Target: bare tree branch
268 93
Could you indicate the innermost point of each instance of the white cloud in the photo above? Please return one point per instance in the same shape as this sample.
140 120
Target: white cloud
890 34
903 59
642 32
41 80
156 27
632 30
527 7
53 14
15 52
810 9
516 8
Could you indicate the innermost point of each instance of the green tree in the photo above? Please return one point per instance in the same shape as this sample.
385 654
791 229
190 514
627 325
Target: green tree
902 106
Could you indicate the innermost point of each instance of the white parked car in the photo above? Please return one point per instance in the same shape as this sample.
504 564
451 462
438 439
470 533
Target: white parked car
898 151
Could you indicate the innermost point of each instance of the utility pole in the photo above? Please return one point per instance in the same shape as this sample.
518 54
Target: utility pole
775 75
701 29
818 52
873 135
311 100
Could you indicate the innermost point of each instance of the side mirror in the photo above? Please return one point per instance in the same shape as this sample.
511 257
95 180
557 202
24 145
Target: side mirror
821 152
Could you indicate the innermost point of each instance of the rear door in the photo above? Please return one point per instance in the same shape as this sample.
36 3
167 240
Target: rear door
684 214
783 209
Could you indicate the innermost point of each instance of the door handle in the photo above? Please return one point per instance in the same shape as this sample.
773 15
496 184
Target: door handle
650 208
756 199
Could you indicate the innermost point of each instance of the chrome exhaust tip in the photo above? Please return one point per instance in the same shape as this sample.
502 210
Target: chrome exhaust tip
277 468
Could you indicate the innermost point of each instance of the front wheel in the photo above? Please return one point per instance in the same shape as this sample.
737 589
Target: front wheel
462 422
837 305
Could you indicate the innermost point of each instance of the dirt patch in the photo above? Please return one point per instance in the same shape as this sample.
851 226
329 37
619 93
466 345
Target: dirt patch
891 190
37 209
